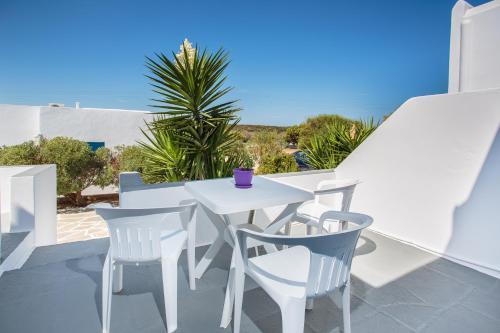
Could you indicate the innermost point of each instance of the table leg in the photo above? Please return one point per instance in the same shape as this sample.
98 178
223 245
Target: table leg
251 215
286 215
220 224
229 297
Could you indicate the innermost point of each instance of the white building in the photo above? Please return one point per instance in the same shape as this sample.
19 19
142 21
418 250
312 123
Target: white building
99 127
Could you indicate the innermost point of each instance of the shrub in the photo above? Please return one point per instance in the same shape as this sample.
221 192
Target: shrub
293 134
328 149
266 143
279 163
318 124
27 153
77 166
130 158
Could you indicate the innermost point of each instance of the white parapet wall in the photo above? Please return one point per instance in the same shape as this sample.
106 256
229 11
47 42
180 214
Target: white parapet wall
28 201
474 47
431 176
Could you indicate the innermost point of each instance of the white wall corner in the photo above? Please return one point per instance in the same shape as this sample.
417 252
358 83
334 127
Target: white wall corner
457 14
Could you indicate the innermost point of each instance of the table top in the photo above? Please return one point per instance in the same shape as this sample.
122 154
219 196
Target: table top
222 197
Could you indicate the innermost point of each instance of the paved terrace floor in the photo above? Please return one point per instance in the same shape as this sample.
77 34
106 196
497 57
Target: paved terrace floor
396 288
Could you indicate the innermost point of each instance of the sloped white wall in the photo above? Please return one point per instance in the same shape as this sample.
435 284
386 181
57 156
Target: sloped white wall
431 176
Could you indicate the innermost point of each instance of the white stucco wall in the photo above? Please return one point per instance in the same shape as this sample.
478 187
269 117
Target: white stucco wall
114 127
430 176
18 123
475 47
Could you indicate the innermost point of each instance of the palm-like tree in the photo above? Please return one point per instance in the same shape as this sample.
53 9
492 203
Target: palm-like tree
196 115
329 148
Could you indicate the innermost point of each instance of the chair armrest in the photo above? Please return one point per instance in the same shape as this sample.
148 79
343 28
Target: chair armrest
335 186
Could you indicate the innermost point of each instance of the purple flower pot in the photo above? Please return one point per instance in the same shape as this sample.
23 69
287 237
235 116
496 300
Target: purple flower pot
243 177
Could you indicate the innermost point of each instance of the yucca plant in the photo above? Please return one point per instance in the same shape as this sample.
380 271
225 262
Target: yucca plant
329 148
196 117
165 160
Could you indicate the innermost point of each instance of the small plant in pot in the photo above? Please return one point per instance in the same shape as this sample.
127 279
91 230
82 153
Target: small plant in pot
243 175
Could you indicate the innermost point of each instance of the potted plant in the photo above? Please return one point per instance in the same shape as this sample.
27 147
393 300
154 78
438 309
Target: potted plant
243 175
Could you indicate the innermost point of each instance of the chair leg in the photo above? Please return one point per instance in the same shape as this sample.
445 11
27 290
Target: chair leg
169 278
293 315
310 304
239 289
118 278
191 253
107 293
308 229
229 297
346 307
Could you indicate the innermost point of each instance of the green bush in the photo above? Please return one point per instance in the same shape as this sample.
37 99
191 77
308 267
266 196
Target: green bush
279 163
329 148
318 124
292 134
77 166
131 158
27 153
266 143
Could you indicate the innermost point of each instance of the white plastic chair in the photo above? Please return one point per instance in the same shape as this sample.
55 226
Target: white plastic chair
134 193
313 266
309 212
139 235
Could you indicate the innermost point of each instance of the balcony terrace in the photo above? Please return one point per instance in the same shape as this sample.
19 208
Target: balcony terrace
395 288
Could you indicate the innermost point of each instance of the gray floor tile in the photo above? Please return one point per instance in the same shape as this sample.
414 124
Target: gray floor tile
379 322
460 273
432 287
9 243
60 289
55 253
459 319
485 303
414 316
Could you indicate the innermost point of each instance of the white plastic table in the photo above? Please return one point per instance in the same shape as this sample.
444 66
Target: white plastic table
219 198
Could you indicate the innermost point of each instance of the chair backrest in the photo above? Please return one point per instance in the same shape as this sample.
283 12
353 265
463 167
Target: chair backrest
345 187
135 232
331 254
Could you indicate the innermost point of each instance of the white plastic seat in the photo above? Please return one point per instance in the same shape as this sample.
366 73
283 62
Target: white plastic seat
309 212
139 235
312 266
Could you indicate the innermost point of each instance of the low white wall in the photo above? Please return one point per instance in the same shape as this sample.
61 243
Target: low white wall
29 201
430 176
6 174
113 127
18 123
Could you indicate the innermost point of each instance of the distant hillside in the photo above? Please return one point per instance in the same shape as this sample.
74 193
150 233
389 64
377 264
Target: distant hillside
256 128
248 131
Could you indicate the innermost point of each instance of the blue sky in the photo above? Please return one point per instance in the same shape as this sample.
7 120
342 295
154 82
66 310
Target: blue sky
290 59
